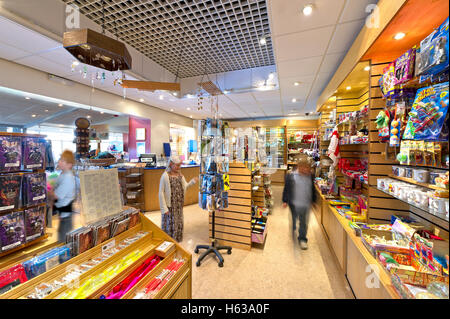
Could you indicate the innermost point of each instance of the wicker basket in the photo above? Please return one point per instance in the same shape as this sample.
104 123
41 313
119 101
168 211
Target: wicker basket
101 161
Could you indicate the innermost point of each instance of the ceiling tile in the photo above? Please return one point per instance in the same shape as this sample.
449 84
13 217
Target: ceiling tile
11 53
302 45
344 36
287 16
262 96
303 67
331 62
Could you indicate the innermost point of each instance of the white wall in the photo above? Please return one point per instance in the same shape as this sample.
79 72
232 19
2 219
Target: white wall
19 77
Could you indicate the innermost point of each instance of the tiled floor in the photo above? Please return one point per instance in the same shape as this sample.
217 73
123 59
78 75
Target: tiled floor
279 270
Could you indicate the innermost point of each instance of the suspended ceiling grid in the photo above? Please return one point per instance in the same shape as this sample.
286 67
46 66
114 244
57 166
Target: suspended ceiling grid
197 36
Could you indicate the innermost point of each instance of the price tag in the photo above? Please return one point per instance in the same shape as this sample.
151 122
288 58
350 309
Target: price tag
109 245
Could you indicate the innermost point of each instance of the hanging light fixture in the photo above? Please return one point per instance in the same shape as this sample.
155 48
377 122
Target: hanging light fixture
97 49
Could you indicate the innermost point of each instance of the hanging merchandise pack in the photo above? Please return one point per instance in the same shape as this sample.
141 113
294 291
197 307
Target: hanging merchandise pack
428 113
34 153
10 153
10 191
432 57
12 231
34 222
34 189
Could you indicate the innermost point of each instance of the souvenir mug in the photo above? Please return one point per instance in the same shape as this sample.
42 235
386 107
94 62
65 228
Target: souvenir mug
408 172
433 176
439 205
421 175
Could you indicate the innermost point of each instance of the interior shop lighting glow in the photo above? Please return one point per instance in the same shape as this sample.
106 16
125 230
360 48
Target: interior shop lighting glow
307 9
367 68
348 88
263 41
294 100
296 83
399 36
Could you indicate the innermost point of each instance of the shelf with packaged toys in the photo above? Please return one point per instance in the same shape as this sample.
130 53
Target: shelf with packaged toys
414 123
23 191
353 126
111 269
415 259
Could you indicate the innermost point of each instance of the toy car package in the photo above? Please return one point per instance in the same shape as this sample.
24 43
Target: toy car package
432 58
12 232
10 191
35 188
428 113
10 153
34 222
34 153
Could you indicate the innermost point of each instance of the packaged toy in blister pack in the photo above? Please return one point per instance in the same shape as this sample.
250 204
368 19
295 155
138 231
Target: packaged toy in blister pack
202 200
387 81
397 124
211 127
12 231
382 121
428 113
432 57
34 222
35 189
46 261
10 191
11 278
222 200
404 66
211 167
211 202
10 153
223 164
34 152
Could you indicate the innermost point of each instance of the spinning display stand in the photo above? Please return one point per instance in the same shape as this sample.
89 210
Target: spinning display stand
214 182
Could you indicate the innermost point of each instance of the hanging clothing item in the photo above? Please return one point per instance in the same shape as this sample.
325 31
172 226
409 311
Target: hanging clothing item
49 157
333 149
172 222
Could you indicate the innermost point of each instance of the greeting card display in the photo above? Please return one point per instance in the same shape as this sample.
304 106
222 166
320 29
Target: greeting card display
34 153
10 191
34 222
35 188
12 232
10 153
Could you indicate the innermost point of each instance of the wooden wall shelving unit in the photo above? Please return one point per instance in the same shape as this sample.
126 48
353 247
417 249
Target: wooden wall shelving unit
233 224
132 186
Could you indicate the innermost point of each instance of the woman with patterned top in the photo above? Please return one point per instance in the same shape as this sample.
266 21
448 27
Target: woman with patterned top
172 188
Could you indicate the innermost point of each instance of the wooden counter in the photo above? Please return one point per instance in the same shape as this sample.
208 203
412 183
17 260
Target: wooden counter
365 274
152 178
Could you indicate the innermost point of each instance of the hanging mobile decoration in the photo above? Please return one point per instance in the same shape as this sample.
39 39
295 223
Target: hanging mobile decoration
85 72
199 100
103 77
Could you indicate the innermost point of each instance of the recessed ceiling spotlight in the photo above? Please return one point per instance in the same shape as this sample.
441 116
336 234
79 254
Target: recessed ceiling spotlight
308 9
271 76
296 83
189 96
75 63
46 110
60 104
263 40
88 116
399 36
33 115
226 91
171 110
161 97
367 68
27 98
190 116
188 108
141 100
348 88
60 125
175 94
294 100
102 112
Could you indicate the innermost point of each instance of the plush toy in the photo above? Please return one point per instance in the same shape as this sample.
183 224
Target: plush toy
333 148
382 121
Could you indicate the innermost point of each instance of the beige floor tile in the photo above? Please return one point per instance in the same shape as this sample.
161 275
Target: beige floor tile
278 270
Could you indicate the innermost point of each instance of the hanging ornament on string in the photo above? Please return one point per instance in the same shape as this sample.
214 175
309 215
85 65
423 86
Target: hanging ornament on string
74 65
85 71
103 77
199 100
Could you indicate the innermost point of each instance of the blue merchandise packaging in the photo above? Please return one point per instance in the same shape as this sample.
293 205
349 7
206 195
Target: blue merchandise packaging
46 261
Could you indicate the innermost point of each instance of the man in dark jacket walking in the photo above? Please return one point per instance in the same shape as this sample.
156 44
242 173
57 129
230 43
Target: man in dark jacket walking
299 194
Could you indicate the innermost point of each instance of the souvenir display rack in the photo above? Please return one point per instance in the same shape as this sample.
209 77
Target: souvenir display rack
177 286
277 136
298 140
21 205
132 186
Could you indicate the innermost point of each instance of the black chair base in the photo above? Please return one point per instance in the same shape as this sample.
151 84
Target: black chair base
210 250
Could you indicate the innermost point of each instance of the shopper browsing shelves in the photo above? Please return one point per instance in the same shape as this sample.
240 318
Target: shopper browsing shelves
299 194
64 194
172 188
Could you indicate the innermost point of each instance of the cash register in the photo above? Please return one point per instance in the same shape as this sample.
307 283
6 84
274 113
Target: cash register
148 159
